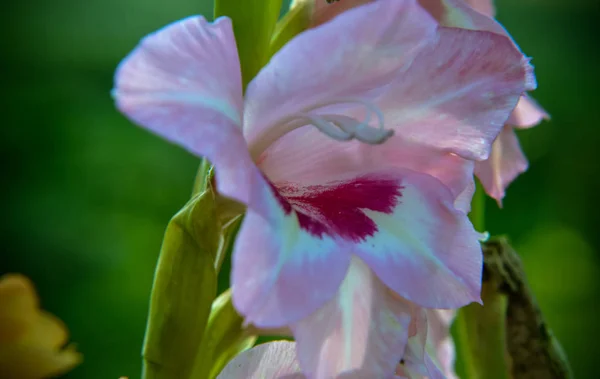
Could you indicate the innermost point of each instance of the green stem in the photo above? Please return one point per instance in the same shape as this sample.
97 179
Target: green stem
480 337
479 332
253 25
477 214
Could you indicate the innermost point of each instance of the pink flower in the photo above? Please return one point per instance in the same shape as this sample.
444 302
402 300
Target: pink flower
333 228
429 354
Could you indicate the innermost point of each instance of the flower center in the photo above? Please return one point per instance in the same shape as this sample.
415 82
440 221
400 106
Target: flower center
338 127
338 208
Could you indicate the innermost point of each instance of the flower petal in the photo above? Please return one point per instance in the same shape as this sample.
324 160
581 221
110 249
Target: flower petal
430 351
288 266
425 249
306 157
357 55
273 360
362 328
281 272
413 361
528 113
506 162
32 341
184 84
439 340
322 11
464 15
474 80
457 14
485 7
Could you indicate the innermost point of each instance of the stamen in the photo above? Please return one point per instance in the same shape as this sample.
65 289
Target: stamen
338 127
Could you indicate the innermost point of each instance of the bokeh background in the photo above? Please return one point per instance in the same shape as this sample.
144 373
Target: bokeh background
86 195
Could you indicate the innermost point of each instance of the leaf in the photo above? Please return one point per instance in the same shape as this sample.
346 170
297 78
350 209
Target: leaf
184 287
224 338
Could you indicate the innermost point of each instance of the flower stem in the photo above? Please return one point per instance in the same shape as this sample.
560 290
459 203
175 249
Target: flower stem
480 335
480 331
477 214
253 25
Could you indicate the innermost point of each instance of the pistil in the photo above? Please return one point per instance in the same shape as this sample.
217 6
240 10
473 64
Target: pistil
336 126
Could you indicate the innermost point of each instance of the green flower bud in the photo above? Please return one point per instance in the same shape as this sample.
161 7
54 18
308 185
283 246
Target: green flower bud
184 287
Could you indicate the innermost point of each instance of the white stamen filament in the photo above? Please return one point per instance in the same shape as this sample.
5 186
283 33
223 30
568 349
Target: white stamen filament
338 127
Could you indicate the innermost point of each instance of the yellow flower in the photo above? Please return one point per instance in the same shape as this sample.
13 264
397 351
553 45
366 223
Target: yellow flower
31 340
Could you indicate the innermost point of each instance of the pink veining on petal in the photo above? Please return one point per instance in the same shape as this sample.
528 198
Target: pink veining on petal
336 209
479 77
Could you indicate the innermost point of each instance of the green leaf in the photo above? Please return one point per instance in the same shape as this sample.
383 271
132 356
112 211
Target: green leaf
223 339
253 25
184 287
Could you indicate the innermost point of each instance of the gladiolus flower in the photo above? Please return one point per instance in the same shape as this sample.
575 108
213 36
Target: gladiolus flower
348 150
31 340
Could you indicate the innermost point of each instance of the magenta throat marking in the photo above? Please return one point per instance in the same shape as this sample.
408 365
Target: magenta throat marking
335 209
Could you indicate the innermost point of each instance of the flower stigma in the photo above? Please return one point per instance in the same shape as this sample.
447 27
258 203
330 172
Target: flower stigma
335 126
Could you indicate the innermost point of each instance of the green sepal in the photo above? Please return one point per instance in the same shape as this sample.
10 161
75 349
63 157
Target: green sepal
228 234
229 212
223 339
204 176
184 287
293 23
253 25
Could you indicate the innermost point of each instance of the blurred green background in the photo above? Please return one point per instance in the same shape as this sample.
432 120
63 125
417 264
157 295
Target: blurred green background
87 195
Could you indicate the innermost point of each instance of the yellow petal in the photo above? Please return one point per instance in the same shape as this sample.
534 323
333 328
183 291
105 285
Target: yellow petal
31 340
48 332
34 362
18 304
